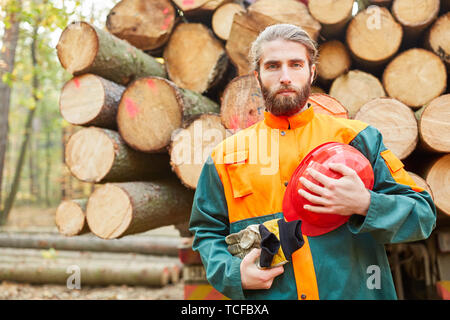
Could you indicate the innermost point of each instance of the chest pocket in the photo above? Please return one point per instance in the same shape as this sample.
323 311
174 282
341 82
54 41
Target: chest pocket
238 171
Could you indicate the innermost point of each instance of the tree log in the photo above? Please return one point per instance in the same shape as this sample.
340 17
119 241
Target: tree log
381 3
152 108
356 88
373 37
91 272
156 245
415 15
90 100
100 155
190 147
194 58
119 209
334 60
325 104
434 125
70 217
83 48
437 177
421 182
332 15
395 121
438 38
222 19
191 6
415 77
145 24
288 11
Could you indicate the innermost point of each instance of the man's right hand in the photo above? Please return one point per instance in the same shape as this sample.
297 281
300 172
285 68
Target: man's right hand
253 277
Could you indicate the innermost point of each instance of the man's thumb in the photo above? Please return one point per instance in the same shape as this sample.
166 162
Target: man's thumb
253 255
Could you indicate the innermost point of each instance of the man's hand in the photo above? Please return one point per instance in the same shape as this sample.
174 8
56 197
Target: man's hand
254 278
345 196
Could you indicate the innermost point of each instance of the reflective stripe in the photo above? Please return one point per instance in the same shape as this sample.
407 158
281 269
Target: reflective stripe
305 275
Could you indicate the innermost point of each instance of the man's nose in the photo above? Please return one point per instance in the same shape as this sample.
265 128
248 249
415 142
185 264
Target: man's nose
285 78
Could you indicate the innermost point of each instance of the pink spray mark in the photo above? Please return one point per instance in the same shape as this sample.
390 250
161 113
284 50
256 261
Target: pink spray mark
166 11
167 21
131 107
188 2
77 83
152 85
234 122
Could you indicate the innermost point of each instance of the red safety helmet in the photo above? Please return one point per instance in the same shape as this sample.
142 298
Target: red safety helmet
315 224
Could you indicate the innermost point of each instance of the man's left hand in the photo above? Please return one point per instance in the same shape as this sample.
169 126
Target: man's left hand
344 196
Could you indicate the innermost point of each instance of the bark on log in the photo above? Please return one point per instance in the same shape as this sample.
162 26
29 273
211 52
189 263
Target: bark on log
381 3
395 121
334 60
415 15
101 155
151 108
415 77
70 217
91 272
421 183
194 58
191 146
437 177
83 48
288 11
145 24
438 38
356 88
90 100
116 210
222 19
434 125
332 15
156 245
373 37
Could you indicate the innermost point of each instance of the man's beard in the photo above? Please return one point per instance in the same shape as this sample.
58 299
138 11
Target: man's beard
280 105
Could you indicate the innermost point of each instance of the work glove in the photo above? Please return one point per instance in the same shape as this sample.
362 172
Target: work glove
277 239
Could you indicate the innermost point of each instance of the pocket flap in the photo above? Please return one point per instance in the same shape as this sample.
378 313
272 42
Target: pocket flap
392 161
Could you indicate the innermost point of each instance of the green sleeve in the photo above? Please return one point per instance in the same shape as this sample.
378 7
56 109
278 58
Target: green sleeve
396 213
210 225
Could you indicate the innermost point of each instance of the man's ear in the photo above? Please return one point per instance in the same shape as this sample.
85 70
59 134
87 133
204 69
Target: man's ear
255 73
313 73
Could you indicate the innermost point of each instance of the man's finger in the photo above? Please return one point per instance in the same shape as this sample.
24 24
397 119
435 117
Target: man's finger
313 187
312 198
320 177
342 169
317 209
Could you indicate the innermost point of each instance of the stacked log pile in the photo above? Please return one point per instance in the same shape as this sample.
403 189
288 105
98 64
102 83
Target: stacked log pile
166 81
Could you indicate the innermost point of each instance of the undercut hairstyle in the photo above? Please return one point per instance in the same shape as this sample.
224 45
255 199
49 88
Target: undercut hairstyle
282 31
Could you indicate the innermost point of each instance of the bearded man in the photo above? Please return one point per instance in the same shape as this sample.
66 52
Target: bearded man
247 247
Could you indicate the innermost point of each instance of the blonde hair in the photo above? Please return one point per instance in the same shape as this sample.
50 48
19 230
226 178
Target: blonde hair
283 31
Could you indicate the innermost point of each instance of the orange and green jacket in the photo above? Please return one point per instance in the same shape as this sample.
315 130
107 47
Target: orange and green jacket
243 183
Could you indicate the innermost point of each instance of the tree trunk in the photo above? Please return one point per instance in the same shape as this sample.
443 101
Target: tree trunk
332 15
7 58
203 61
100 155
437 177
334 60
396 122
415 15
152 108
222 19
190 147
92 273
103 54
156 245
434 125
373 37
437 39
70 217
356 88
325 104
119 209
147 25
415 83
90 100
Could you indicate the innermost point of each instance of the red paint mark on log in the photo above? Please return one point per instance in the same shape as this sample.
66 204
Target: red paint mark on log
77 82
152 85
131 107
188 2
166 11
167 21
234 123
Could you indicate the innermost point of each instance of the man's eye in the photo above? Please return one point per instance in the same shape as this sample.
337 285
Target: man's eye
297 65
271 66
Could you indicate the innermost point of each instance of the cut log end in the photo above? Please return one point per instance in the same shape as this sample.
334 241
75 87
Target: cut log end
438 38
70 217
149 111
330 12
222 19
395 121
109 211
437 178
415 77
415 13
89 154
77 47
334 60
434 125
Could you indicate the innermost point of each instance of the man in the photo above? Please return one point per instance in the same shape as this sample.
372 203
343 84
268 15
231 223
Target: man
235 191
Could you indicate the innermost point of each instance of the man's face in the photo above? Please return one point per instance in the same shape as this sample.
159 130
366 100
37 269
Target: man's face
285 76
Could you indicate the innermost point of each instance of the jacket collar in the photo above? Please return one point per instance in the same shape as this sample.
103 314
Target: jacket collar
293 122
